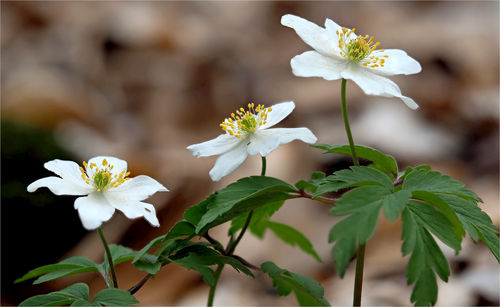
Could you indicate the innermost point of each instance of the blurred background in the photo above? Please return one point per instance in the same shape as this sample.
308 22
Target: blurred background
143 80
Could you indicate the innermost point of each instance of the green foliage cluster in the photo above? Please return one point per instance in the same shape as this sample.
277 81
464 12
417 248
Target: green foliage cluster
431 205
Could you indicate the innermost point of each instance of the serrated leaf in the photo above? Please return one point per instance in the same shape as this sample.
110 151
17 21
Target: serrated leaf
67 296
182 228
359 199
445 209
363 175
433 181
199 258
395 203
84 303
115 297
425 290
434 221
293 237
78 290
382 161
249 193
259 216
477 223
342 253
329 185
66 267
307 291
46 300
358 229
426 257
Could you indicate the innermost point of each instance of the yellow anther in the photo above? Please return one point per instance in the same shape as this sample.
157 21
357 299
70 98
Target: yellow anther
104 162
247 121
85 164
357 49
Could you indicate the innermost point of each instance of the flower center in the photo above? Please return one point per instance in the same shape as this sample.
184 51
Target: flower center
100 177
245 122
359 49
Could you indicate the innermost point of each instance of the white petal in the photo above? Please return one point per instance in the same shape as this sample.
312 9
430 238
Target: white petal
229 161
373 84
332 27
133 209
313 64
119 165
398 62
93 210
263 143
68 171
313 35
60 186
286 135
278 113
137 188
220 144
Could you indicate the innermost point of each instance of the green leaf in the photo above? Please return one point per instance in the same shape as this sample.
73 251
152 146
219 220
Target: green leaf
78 292
182 228
445 209
199 258
363 175
240 197
352 231
477 223
311 185
355 176
418 219
69 266
436 222
47 300
329 185
293 237
426 290
257 224
359 199
148 267
432 181
395 203
307 291
115 297
383 162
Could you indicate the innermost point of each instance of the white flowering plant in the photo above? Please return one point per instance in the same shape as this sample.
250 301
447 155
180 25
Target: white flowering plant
430 205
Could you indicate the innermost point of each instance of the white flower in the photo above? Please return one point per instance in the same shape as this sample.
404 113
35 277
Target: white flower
105 182
247 132
340 53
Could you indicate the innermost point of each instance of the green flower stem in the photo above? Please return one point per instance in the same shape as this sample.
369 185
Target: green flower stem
360 261
264 164
346 124
231 246
358 281
108 256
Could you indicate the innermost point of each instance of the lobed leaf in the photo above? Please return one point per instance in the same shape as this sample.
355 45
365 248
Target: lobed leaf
115 297
200 258
362 175
308 291
236 199
78 292
381 161
427 258
422 179
293 237
66 267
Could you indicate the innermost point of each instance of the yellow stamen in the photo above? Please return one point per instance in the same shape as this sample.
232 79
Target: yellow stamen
359 49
